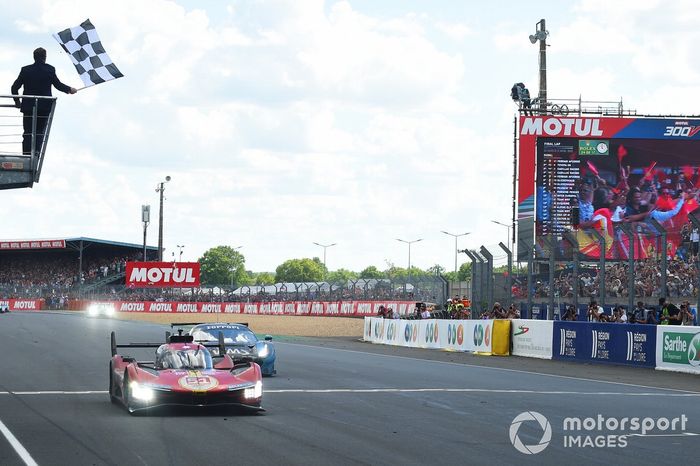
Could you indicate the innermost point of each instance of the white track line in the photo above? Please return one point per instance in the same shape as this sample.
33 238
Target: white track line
543 374
21 451
394 390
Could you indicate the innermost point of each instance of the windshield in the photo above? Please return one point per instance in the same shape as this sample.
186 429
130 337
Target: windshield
186 359
232 336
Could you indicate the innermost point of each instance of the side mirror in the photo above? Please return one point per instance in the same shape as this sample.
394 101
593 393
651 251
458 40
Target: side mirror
268 337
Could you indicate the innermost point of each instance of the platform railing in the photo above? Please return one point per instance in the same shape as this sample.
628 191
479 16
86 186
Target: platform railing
21 167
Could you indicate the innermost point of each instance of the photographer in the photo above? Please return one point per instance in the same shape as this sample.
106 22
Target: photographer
687 317
596 313
639 314
570 314
670 314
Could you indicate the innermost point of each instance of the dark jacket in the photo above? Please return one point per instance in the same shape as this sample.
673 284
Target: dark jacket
37 80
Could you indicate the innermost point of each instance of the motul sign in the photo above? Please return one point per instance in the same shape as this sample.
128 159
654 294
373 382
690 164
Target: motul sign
162 274
561 127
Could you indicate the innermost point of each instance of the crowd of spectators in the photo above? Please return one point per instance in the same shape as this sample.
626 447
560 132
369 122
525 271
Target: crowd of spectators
681 281
666 313
55 277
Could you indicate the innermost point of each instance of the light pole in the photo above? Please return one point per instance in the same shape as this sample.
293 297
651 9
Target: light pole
180 247
409 250
324 246
456 248
504 225
540 35
146 219
160 189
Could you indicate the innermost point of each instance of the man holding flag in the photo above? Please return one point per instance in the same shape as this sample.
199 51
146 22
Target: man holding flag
37 79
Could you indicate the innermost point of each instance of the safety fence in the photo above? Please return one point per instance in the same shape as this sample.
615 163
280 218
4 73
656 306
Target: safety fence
663 347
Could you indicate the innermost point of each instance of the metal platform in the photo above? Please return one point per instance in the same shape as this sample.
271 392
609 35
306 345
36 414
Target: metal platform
22 168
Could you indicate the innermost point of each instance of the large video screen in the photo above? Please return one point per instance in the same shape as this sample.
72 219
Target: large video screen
602 185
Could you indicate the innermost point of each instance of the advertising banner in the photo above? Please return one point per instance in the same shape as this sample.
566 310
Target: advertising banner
678 348
22 304
532 338
629 344
319 308
455 335
162 274
35 244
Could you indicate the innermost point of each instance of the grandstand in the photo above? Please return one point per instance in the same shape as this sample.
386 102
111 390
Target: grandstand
64 268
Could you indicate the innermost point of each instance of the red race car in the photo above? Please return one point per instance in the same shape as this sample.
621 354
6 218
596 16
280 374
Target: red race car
183 374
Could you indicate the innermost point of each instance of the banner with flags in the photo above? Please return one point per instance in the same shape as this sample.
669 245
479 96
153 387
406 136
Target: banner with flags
87 53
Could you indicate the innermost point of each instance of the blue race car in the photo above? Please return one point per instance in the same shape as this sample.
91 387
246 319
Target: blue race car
240 343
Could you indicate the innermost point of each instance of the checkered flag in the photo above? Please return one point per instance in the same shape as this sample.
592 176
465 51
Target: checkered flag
89 57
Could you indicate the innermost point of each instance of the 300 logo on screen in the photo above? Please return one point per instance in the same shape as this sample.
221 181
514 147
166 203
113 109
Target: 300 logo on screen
681 131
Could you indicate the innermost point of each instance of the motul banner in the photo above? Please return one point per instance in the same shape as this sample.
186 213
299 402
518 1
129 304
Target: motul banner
302 308
36 244
22 304
162 274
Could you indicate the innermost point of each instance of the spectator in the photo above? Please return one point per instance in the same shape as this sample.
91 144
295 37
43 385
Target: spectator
425 313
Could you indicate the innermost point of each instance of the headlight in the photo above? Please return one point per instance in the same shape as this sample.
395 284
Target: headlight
253 392
109 310
92 310
141 392
264 351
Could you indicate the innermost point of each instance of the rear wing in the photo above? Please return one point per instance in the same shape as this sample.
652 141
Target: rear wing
180 338
192 324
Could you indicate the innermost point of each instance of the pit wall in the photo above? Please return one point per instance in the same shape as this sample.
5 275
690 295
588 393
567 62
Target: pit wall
663 347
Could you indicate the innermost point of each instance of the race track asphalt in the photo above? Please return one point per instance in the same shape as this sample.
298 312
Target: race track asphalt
333 402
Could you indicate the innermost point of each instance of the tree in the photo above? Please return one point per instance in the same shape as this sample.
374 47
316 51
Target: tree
465 272
372 272
263 278
300 270
436 269
223 265
341 275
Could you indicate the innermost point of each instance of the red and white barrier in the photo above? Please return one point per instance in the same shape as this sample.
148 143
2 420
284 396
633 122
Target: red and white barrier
22 304
302 308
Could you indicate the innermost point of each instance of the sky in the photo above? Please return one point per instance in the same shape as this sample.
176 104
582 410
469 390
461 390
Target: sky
284 123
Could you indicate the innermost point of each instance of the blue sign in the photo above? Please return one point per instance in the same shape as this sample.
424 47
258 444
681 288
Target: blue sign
629 344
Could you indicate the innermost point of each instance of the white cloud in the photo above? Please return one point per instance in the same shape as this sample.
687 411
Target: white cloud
287 122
